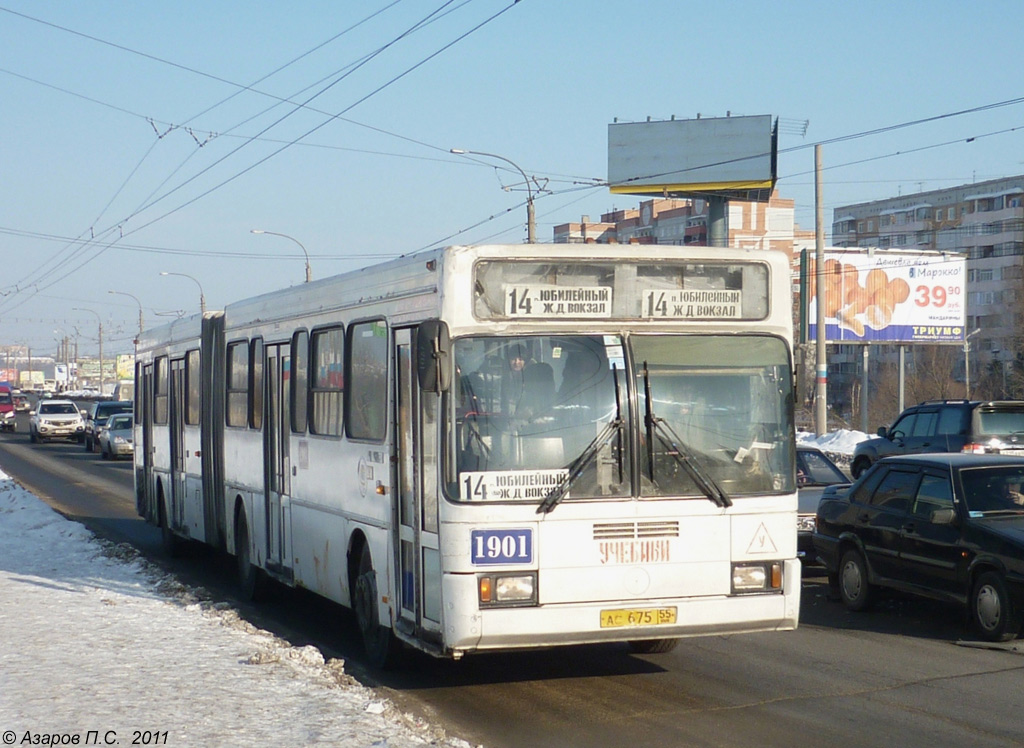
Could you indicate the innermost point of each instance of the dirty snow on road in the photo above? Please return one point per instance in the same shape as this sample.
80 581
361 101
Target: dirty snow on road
96 643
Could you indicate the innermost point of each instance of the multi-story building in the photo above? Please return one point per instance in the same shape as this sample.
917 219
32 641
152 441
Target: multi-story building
985 222
753 225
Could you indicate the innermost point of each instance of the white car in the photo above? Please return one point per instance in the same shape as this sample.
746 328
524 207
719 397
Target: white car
56 419
116 435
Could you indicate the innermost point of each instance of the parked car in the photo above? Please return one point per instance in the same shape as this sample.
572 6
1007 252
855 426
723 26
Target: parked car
814 471
97 414
115 437
946 426
947 526
55 419
7 422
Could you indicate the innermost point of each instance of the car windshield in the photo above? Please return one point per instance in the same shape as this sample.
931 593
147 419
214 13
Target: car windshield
545 418
119 422
994 490
58 409
814 468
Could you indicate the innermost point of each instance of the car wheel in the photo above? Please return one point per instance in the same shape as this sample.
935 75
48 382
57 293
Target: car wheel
653 646
104 453
854 588
381 647
250 578
992 611
859 466
32 436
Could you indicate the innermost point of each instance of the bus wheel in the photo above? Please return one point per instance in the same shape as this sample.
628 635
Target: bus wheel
382 648
653 646
169 542
250 579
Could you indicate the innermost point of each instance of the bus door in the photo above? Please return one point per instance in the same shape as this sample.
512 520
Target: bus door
416 442
276 459
176 423
144 484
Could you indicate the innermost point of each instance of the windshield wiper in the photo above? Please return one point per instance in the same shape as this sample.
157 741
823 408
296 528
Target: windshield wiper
675 447
613 427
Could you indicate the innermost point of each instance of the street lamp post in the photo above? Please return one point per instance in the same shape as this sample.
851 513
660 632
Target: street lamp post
531 226
967 360
309 272
122 293
100 322
202 297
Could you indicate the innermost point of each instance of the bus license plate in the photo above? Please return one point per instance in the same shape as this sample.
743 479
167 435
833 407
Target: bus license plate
621 617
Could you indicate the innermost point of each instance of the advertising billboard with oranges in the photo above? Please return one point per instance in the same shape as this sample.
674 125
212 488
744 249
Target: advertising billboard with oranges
889 296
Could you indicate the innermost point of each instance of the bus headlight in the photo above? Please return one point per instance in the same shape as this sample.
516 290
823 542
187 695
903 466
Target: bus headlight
503 590
757 577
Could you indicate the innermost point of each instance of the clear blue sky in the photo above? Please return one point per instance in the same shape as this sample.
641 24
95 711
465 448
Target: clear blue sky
129 123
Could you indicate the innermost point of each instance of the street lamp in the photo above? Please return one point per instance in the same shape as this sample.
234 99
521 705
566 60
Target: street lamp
123 293
309 273
202 298
100 321
967 360
531 227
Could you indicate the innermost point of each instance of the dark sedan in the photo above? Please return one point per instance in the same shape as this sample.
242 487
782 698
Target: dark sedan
947 526
814 471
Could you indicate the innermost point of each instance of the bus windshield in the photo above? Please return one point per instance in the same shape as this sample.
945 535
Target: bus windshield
533 418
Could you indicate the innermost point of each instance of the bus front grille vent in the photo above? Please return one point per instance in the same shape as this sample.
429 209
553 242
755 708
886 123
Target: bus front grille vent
635 530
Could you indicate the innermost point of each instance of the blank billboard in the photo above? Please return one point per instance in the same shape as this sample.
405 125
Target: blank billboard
733 157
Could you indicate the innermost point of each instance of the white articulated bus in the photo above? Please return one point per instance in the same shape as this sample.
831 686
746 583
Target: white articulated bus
494 447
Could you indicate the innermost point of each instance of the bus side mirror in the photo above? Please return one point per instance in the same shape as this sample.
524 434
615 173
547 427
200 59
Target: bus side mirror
433 353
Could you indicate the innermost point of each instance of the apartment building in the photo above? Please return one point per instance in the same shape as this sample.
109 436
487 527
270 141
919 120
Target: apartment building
983 221
752 225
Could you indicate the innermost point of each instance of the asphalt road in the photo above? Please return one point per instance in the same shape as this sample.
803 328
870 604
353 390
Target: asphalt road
905 674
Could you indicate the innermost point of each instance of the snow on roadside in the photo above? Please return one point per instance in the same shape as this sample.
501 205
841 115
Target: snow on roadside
840 442
96 639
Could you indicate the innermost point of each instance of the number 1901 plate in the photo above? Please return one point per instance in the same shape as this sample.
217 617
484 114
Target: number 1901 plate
621 617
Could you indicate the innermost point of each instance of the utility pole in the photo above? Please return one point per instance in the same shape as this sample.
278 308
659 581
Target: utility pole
821 389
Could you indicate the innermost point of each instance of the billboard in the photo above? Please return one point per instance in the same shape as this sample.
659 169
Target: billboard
732 157
889 296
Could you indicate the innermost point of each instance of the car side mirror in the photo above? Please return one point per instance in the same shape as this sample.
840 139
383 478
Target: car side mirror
882 432
84 413
943 516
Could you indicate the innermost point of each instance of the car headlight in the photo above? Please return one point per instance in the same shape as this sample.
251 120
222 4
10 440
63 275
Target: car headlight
757 577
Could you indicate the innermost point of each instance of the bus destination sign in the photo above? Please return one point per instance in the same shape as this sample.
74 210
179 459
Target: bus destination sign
511 485
558 301
693 304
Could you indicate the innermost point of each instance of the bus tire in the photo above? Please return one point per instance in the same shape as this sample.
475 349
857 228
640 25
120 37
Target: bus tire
653 646
169 542
382 649
250 578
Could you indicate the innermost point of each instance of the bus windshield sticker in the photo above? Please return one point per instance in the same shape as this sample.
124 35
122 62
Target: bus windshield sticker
558 301
502 546
695 304
510 485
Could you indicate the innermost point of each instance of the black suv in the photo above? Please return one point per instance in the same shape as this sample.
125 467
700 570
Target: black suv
947 426
97 415
947 526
